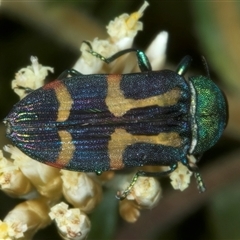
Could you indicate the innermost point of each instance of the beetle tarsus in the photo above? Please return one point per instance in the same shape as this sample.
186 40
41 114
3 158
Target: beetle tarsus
123 195
200 183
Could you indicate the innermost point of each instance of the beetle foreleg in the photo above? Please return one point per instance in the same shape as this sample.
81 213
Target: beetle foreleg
143 61
184 65
124 194
69 72
25 89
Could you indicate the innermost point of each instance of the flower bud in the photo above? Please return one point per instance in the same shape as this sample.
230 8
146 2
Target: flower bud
145 193
27 218
12 180
180 178
72 224
31 77
81 190
129 211
38 173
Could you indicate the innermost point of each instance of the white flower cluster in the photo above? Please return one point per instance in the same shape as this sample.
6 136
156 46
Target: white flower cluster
32 77
71 223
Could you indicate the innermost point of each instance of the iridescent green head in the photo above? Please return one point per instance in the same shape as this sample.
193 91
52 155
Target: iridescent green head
209 113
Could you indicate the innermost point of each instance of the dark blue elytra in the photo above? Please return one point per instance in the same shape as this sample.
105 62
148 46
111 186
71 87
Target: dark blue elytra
91 124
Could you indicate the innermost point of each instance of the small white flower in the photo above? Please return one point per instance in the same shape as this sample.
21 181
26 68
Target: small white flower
32 77
38 173
126 26
146 192
10 230
156 52
26 219
129 211
88 64
122 31
180 178
71 223
81 190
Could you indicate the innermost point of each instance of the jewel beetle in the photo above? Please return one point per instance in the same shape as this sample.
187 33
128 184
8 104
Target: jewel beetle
100 122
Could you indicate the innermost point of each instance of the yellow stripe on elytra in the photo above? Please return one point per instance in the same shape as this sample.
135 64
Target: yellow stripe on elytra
120 139
119 105
67 149
65 102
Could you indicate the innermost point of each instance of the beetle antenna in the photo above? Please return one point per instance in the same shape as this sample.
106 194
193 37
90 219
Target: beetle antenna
193 168
206 68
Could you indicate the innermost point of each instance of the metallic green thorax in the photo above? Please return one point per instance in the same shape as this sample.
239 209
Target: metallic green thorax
210 113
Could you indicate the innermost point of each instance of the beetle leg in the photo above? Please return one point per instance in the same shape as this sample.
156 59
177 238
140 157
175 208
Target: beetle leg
173 167
200 183
25 89
184 65
124 194
143 61
98 172
69 72
194 169
198 157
